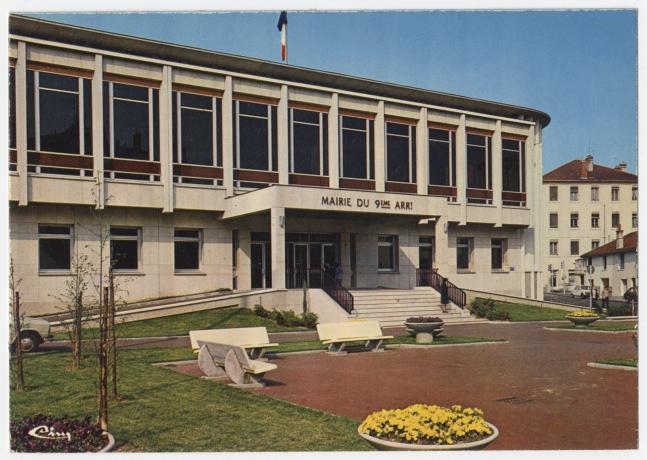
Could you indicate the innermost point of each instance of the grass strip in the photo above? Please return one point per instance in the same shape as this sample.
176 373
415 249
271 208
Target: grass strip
523 312
620 362
606 326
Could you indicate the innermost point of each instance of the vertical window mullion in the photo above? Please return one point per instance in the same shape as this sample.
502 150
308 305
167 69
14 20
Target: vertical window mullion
112 121
269 138
321 145
368 148
37 111
81 123
214 137
151 137
238 134
291 122
179 128
341 146
410 156
450 160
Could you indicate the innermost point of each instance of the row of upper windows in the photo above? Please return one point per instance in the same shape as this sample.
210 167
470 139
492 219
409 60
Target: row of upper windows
553 220
59 120
574 193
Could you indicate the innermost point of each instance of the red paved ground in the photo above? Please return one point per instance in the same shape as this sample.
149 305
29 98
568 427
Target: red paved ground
554 400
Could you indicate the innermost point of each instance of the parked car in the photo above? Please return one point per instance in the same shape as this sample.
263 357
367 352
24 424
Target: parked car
33 332
582 291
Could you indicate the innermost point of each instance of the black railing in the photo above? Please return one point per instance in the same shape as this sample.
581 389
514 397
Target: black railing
431 277
338 293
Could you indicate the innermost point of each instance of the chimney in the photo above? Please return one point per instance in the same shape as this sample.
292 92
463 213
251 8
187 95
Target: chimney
589 163
583 170
621 167
619 239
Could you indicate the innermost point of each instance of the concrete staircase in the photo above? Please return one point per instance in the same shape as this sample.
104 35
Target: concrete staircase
391 307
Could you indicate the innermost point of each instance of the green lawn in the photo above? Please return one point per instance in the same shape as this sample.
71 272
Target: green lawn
163 410
522 312
604 326
183 323
442 340
620 362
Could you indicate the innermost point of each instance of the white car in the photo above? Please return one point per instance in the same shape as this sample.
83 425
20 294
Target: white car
581 291
33 332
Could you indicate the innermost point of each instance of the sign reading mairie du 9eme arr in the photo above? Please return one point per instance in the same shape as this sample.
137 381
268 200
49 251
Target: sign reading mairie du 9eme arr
366 203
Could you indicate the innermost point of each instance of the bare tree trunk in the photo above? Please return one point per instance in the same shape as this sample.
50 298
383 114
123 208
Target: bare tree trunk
78 318
113 334
103 361
20 377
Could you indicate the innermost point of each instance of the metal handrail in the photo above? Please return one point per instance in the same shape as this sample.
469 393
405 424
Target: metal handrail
430 277
338 293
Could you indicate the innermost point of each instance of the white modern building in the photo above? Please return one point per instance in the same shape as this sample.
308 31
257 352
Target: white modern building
208 170
614 264
583 204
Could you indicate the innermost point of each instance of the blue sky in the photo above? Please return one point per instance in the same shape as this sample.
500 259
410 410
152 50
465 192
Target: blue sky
578 66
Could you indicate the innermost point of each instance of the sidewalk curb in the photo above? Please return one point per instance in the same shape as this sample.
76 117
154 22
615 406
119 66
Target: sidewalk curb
587 330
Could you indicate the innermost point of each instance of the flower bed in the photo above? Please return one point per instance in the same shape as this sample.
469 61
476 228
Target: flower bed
45 433
424 319
428 425
582 314
582 318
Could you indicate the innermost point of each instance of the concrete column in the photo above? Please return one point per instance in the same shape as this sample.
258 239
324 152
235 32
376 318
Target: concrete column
333 142
422 153
277 237
497 173
227 137
522 260
461 169
380 148
282 132
21 124
244 268
537 204
97 131
442 252
166 137
345 257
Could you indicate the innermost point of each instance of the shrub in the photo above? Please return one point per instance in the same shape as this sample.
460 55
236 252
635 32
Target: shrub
261 311
223 289
287 317
486 308
619 310
84 435
310 320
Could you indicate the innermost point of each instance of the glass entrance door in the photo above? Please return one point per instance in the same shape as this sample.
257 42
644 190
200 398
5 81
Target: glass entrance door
260 265
426 252
300 264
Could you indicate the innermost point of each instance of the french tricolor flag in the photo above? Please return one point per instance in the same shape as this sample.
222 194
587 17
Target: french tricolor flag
283 28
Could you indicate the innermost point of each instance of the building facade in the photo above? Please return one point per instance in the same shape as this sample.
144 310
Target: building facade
584 204
201 170
614 264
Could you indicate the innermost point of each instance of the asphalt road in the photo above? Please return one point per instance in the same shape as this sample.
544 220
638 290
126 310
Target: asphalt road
570 300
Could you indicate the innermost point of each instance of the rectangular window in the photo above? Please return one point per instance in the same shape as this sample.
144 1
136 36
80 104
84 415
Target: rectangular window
400 152
187 249
595 220
124 248
442 157
553 248
575 247
595 193
195 129
634 220
387 253
634 193
255 136
131 122
615 219
356 147
553 196
574 220
604 262
12 108
478 161
308 142
512 165
463 253
574 193
594 244
54 247
498 253
56 118
621 261
615 193
553 218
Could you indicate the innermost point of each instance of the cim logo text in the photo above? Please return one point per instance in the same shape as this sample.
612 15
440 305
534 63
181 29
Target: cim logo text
45 432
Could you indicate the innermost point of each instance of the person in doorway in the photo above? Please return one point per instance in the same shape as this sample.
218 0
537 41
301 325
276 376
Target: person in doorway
605 297
339 274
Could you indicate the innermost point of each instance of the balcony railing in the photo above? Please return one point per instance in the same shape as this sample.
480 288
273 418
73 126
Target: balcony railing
430 277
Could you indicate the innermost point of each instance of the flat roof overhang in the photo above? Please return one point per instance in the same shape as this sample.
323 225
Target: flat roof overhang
348 202
49 30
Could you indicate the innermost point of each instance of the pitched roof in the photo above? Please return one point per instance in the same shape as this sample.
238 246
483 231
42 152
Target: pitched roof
577 171
629 244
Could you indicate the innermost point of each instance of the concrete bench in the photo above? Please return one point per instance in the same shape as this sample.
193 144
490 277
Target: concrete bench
253 339
220 360
338 335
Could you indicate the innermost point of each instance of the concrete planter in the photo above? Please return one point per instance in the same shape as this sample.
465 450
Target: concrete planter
110 445
381 444
424 332
582 320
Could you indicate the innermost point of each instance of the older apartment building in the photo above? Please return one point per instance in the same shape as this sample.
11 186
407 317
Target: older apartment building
584 204
207 170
